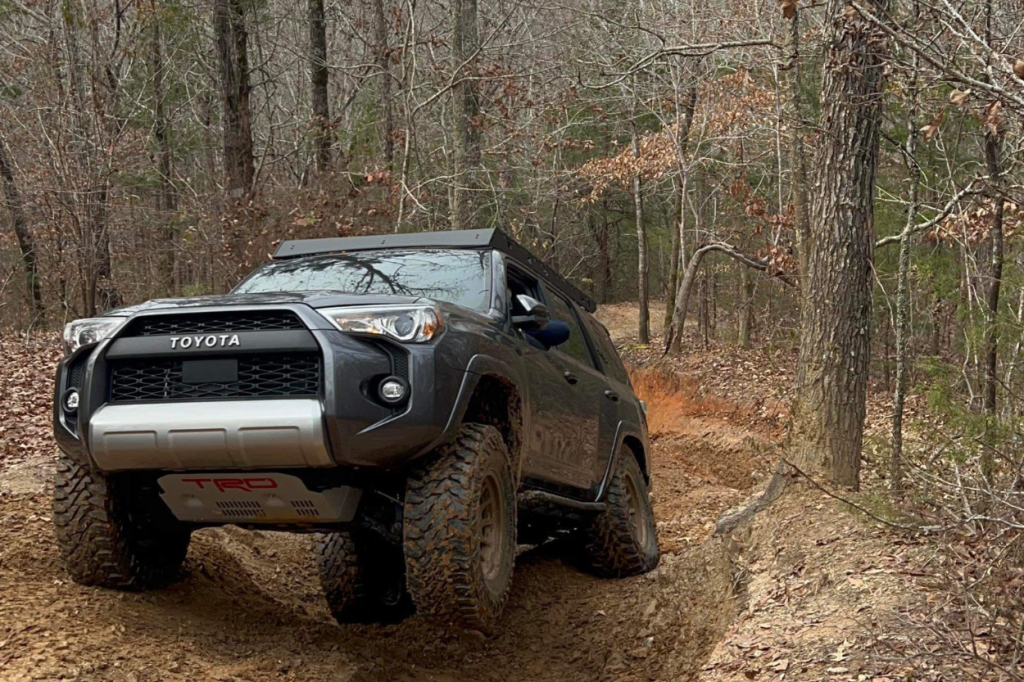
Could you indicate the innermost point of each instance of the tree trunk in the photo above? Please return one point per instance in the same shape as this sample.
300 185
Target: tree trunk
703 309
233 54
166 199
599 233
107 295
382 57
685 126
747 311
318 78
673 343
903 290
21 231
465 45
827 423
992 161
643 267
797 155
673 274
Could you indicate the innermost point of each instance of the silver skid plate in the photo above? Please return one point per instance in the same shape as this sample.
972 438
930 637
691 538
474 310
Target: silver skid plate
250 497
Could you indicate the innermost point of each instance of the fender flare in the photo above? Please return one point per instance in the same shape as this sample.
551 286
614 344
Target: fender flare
624 430
476 369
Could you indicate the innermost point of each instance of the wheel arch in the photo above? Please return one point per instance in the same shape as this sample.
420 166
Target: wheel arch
636 446
634 441
497 401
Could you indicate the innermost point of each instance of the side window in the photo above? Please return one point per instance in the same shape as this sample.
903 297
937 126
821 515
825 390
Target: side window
576 346
519 283
610 361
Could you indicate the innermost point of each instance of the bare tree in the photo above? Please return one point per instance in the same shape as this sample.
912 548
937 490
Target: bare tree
232 42
466 152
21 229
318 77
166 197
643 267
382 57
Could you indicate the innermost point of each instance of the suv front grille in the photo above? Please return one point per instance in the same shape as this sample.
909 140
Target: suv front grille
215 323
259 376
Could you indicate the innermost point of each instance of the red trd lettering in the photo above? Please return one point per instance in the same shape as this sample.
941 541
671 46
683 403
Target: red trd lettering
261 483
198 481
244 484
230 484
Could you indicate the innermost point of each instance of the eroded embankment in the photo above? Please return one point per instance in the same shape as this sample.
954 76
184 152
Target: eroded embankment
249 605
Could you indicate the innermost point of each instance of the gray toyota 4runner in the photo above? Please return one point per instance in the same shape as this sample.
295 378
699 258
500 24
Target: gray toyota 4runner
421 401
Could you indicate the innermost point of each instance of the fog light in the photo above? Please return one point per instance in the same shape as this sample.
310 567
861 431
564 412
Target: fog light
393 390
71 400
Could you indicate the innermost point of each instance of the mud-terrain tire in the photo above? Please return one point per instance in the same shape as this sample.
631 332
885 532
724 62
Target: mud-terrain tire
622 540
460 530
114 531
363 580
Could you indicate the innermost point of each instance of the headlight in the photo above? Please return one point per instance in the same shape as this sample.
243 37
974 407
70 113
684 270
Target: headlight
91 330
417 324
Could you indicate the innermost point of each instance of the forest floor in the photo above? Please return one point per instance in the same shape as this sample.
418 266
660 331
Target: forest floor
810 591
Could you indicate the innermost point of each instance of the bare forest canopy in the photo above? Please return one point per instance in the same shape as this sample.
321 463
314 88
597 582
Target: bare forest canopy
842 173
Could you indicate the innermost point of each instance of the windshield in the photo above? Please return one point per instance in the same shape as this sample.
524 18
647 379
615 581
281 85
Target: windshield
460 277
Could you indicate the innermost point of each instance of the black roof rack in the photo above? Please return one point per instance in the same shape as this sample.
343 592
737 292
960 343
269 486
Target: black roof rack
455 239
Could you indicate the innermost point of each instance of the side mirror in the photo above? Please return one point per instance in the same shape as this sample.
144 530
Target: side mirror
536 317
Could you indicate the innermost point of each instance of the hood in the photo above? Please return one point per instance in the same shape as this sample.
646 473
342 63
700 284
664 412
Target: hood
314 299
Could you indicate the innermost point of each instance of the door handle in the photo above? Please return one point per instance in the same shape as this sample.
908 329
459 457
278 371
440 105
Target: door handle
612 396
571 378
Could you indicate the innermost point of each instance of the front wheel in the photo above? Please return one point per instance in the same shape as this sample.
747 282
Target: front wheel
114 531
622 540
460 530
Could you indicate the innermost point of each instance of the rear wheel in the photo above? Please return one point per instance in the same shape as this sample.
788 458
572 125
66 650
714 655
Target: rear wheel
460 530
623 540
113 530
363 578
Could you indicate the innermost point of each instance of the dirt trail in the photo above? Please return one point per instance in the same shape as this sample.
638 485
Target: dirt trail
249 605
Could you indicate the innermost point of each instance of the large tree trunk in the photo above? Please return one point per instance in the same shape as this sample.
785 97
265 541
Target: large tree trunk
318 77
232 43
21 231
827 424
465 44
643 267
382 57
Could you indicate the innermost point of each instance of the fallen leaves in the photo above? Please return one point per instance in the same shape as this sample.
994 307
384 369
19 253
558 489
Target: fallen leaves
26 378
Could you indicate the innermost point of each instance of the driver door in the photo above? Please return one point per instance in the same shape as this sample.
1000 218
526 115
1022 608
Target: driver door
551 448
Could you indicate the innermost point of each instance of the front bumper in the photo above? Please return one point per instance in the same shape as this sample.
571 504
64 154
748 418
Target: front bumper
343 426
230 434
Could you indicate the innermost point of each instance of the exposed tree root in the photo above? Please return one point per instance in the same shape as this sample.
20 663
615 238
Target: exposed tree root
731 520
